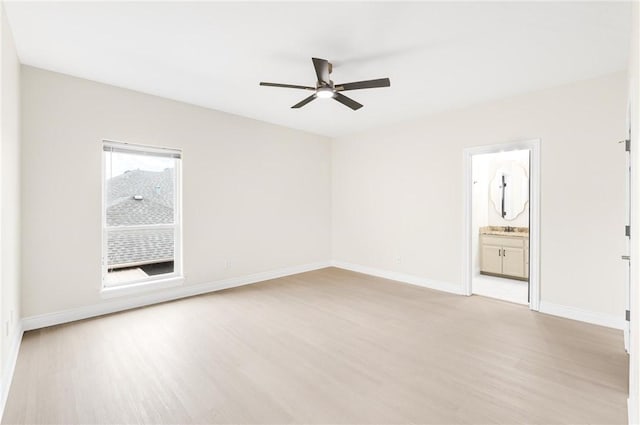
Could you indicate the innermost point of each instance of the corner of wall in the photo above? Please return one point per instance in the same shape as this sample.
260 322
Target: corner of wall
10 201
9 366
332 148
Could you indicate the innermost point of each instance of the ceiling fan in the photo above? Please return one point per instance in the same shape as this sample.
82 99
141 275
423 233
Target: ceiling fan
326 89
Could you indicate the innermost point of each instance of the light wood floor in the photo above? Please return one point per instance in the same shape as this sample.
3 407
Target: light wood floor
329 346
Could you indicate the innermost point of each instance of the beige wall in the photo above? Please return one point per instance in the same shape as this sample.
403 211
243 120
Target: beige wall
10 198
255 195
398 192
260 196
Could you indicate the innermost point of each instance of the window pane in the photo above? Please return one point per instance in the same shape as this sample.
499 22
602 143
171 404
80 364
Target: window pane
139 189
140 193
139 253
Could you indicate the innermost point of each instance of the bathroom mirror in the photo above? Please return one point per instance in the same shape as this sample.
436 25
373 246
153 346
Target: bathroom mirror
509 190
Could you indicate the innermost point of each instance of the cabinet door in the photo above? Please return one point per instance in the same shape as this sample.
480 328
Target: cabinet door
513 262
491 259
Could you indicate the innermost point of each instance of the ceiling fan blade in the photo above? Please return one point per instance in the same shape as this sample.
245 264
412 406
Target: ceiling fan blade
369 84
287 86
347 101
304 102
322 69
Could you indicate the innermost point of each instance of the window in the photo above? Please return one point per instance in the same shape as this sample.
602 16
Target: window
141 215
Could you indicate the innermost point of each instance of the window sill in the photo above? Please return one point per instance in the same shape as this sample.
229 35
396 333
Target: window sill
142 287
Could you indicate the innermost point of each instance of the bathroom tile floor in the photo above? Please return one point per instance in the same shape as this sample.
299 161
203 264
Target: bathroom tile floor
511 290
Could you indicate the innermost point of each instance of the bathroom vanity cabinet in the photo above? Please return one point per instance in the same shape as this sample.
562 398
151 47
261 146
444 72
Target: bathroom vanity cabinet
504 254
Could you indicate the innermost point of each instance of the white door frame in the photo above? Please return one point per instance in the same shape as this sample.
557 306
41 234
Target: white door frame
534 214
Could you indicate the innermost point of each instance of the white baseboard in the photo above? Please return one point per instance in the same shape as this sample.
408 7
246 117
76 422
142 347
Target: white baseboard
115 305
582 315
401 277
545 307
9 367
632 411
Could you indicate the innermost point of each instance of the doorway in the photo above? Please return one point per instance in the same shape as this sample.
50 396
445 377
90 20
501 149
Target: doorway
502 222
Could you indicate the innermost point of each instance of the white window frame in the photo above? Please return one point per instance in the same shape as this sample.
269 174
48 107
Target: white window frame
151 282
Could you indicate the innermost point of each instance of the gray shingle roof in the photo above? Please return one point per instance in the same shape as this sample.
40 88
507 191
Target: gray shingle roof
137 247
156 190
129 212
125 208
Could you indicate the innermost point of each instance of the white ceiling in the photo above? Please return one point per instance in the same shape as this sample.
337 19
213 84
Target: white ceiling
438 55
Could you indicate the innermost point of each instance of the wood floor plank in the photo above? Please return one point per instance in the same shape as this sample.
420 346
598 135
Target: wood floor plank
328 346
